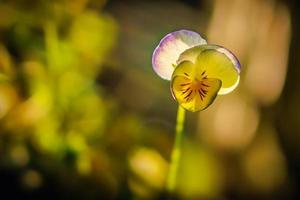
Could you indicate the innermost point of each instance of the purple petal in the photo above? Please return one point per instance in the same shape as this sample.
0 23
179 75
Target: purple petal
169 49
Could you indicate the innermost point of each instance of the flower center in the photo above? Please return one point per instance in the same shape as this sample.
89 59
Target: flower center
194 87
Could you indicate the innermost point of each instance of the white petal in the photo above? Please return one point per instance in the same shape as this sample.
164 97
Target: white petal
169 49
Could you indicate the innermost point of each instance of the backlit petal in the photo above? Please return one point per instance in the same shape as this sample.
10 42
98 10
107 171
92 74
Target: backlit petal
191 54
193 92
169 49
219 63
195 96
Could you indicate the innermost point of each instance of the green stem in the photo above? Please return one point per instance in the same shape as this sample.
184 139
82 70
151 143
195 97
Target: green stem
176 151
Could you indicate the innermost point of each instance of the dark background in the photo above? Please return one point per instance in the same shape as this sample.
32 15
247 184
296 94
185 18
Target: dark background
83 115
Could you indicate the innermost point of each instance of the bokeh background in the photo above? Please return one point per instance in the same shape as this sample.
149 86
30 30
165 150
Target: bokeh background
83 115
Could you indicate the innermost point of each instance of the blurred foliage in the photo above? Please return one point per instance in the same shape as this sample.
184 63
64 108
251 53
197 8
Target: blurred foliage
82 115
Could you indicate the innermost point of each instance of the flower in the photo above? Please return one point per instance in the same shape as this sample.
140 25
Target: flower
198 71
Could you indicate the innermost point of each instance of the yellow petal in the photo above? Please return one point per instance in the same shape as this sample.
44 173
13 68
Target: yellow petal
191 54
194 95
219 63
186 68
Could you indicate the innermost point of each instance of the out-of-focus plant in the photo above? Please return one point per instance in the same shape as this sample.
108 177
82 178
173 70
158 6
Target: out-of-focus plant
198 72
51 103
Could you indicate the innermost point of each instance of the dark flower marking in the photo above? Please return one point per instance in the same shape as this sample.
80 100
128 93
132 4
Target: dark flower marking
187 96
184 91
184 84
204 85
202 96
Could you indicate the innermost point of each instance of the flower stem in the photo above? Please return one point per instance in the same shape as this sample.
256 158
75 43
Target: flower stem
176 151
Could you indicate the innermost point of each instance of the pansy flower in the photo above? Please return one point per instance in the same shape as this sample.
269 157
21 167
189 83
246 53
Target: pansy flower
198 71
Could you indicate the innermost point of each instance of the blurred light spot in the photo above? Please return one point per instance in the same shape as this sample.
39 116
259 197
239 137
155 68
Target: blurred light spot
268 60
5 63
30 111
258 31
92 36
48 138
71 85
229 25
88 113
19 155
32 179
231 124
149 171
264 163
35 73
8 98
76 142
200 175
